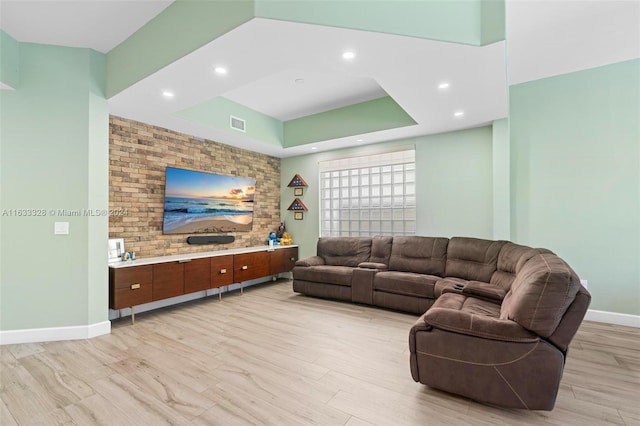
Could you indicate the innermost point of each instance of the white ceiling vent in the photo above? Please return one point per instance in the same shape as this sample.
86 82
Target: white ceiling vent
237 123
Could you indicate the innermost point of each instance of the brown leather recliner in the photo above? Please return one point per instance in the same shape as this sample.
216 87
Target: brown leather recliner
506 351
329 274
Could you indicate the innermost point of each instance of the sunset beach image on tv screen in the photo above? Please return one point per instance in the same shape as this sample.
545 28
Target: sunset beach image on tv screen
200 202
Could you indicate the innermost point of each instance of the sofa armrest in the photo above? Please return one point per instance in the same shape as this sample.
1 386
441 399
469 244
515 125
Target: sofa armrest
484 291
418 327
310 261
373 265
478 325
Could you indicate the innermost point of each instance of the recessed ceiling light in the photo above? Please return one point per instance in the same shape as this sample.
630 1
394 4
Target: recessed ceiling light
348 55
358 140
167 94
458 113
220 70
444 85
313 148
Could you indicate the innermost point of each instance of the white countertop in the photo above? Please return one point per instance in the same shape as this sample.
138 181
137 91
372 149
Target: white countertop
189 256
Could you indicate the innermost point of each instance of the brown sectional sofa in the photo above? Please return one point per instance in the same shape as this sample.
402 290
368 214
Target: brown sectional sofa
496 317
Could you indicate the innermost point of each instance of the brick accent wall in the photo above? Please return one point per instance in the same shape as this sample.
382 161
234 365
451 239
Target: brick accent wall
138 156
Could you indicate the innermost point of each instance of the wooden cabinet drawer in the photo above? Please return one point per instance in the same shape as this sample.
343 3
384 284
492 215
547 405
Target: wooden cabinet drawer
221 271
283 260
130 286
197 275
168 280
249 266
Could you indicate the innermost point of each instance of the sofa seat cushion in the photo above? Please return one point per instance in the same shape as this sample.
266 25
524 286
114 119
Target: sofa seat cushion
326 274
485 291
310 261
470 305
405 283
446 283
475 317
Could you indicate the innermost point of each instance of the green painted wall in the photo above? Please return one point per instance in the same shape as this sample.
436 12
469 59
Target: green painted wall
492 21
187 25
98 189
181 28
455 184
217 111
462 21
454 191
365 117
575 164
501 181
54 156
9 61
378 114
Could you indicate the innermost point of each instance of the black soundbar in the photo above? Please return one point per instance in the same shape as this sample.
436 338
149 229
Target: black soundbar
211 239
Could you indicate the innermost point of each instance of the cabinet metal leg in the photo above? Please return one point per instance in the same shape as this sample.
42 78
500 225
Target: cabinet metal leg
133 316
241 289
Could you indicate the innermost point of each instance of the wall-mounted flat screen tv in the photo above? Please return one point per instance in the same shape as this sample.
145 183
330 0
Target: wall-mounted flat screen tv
201 202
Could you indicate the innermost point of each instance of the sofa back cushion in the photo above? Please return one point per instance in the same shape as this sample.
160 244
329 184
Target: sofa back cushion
422 255
381 249
511 259
344 251
540 294
472 259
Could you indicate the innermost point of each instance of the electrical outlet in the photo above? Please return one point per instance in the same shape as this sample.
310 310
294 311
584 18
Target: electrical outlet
61 228
584 283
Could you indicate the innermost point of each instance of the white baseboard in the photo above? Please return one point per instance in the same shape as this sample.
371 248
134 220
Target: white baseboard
33 335
52 334
613 318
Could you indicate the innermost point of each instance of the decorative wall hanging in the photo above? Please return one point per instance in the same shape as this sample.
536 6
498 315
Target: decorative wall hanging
298 207
298 184
297 181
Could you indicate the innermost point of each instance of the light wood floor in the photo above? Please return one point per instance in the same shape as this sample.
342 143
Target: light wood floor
274 357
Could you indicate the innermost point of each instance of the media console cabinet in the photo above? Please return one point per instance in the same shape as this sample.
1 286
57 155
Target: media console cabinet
134 282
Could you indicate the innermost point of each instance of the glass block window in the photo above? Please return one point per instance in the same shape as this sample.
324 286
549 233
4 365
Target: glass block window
370 195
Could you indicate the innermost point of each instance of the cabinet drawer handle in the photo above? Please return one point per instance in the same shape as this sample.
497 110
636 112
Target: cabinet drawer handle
292 259
244 268
223 271
184 261
135 286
